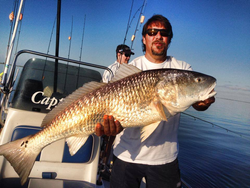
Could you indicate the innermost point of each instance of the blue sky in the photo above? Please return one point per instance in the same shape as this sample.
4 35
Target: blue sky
212 36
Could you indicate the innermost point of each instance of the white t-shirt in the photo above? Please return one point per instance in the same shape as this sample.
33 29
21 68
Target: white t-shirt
161 146
106 77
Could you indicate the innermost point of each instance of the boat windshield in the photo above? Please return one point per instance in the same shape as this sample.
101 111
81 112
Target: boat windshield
35 89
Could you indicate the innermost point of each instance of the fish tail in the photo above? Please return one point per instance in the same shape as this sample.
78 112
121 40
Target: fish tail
21 156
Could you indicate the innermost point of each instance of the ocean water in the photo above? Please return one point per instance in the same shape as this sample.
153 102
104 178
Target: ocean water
217 154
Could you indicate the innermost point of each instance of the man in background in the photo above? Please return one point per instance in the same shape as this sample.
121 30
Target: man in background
123 53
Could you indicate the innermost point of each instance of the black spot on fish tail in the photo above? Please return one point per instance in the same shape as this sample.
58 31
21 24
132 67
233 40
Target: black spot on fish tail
22 159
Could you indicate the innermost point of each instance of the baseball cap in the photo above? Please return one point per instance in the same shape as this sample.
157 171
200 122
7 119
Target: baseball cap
124 48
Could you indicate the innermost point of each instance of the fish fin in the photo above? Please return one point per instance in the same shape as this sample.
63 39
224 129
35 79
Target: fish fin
124 71
86 88
21 156
75 143
148 130
162 110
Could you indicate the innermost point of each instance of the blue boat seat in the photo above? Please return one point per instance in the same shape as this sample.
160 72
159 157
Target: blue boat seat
84 154
22 131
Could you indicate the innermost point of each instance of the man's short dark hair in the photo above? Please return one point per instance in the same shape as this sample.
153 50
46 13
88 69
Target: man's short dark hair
154 19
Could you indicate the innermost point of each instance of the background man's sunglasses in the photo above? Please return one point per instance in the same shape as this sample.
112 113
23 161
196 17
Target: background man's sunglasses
126 54
153 32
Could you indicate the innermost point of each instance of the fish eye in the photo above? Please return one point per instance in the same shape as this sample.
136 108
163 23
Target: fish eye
198 80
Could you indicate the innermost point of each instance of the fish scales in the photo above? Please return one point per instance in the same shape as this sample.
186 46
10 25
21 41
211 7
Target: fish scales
134 93
130 96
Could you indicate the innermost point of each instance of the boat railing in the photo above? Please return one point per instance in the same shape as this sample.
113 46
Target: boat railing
7 83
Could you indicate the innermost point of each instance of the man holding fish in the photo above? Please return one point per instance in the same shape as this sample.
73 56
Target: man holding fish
156 158
146 100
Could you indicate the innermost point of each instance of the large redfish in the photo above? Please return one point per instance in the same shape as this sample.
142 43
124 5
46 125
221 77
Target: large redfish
135 98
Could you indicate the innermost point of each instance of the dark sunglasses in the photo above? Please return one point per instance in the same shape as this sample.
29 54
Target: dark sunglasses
126 54
153 32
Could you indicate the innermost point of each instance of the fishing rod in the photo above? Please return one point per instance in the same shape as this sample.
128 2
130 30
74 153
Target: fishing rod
5 90
70 38
216 125
134 16
11 17
82 38
80 58
51 35
19 31
128 25
140 20
7 62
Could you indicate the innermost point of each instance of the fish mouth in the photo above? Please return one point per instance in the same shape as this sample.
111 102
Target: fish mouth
209 92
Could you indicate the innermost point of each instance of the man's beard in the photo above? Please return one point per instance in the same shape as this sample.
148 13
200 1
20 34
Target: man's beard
159 53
